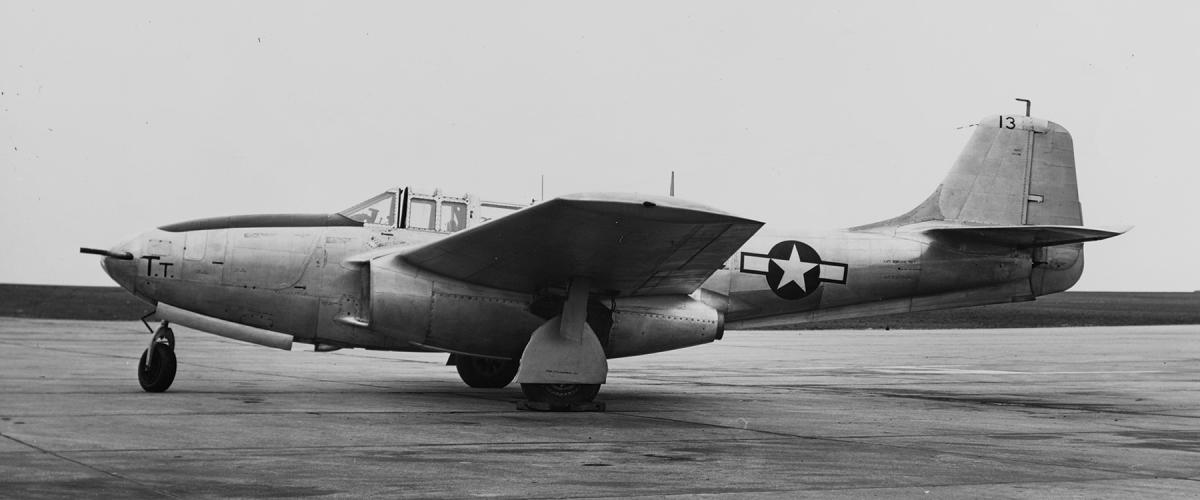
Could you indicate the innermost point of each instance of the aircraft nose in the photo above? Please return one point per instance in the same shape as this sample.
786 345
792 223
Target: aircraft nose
120 264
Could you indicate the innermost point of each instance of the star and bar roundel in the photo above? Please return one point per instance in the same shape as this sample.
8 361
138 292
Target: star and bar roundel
793 269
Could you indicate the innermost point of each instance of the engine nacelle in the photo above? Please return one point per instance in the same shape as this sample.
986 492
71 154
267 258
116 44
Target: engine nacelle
448 315
414 309
642 325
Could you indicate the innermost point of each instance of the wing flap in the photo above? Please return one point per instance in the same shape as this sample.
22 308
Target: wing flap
1029 235
627 245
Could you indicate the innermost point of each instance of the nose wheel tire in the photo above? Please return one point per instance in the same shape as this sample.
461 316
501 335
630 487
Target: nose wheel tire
158 375
561 394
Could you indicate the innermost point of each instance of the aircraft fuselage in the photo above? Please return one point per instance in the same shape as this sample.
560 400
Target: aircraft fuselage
305 282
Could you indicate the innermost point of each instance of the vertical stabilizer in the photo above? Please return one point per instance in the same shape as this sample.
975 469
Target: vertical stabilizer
1015 170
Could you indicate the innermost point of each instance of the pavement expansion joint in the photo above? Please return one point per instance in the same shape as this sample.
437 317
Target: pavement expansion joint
60 456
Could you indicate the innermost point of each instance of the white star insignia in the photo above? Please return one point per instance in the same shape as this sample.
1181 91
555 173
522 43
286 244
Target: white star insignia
793 270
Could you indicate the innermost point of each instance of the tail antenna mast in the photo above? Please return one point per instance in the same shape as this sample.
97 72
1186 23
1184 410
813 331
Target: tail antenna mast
1028 104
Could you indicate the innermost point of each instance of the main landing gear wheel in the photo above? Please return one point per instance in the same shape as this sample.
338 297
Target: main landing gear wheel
157 375
560 394
486 373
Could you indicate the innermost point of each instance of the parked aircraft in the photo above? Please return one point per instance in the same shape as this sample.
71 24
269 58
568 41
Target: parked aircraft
548 293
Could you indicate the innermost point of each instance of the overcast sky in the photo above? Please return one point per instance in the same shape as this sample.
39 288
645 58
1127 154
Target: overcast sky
116 117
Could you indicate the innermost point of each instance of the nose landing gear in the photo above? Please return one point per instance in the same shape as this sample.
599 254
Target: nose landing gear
156 368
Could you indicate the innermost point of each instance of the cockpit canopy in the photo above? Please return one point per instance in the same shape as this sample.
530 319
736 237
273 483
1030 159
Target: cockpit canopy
407 208
380 209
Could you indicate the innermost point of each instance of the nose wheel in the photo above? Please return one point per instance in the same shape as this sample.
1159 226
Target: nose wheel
156 368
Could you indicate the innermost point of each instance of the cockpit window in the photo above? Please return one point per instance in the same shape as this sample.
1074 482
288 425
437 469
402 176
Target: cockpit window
378 210
421 214
454 216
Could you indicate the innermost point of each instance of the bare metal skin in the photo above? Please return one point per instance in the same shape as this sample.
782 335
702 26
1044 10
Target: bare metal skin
548 293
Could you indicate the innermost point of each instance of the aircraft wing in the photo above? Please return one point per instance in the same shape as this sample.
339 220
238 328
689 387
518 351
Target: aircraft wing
627 245
1029 235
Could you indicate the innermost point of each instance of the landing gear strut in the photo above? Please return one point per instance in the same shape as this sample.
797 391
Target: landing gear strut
156 368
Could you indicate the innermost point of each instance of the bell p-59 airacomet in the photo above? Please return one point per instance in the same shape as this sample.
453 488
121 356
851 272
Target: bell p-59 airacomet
547 293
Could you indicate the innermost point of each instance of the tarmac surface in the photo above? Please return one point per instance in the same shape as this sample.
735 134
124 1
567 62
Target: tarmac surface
1072 412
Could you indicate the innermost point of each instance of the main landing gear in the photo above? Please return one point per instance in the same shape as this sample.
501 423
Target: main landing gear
564 364
156 368
492 373
561 396
485 373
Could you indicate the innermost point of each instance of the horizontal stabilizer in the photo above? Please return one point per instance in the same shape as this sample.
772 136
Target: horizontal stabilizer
1027 236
